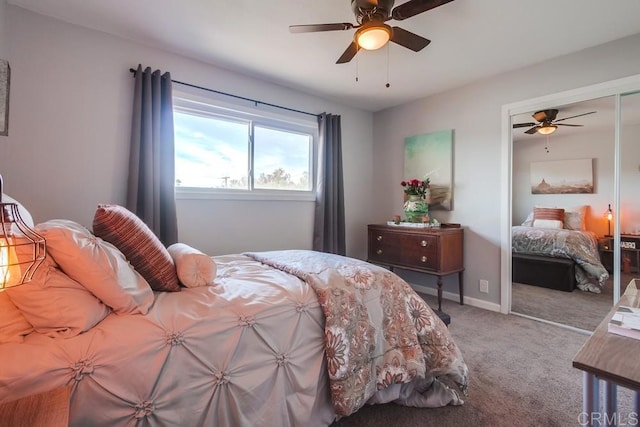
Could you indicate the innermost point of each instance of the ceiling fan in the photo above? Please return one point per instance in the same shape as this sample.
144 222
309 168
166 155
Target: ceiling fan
372 33
547 122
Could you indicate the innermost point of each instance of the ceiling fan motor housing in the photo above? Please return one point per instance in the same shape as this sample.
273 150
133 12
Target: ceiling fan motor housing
371 10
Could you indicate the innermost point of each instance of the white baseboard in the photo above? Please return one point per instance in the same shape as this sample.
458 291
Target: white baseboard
475 302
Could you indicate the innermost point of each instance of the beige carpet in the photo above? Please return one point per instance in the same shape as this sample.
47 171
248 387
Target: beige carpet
578 309
520 375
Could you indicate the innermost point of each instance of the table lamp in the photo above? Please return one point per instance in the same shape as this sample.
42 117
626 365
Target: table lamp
22 250
609 215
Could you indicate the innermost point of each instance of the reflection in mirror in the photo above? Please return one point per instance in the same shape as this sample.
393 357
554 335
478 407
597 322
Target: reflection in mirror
563 183
628 213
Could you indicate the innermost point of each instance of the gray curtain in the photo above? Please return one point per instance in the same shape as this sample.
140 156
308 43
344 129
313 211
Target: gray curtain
329 228
150 191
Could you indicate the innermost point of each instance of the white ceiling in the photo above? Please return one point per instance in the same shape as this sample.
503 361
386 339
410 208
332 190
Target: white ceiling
471 39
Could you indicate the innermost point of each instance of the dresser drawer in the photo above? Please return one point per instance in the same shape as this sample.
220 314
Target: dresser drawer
420 252
411 250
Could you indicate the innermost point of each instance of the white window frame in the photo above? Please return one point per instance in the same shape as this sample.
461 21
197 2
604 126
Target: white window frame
189 103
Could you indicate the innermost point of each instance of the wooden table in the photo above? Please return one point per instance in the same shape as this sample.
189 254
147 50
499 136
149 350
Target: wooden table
614 360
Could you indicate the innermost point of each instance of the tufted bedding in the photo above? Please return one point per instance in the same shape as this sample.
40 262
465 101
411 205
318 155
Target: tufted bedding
249 349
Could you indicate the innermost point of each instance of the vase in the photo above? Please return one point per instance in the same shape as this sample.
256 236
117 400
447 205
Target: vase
415 208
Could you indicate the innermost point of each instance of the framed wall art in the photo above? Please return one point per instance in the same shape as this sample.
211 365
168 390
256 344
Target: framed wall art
430 155
5 79
562 177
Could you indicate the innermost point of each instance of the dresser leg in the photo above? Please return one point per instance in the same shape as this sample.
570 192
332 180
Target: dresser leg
439 293
461 287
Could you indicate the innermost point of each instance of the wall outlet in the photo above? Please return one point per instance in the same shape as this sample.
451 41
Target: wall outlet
484 286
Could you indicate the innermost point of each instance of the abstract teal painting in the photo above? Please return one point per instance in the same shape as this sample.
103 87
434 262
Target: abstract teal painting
430 155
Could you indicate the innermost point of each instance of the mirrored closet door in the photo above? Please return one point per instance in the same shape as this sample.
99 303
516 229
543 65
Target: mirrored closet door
562 187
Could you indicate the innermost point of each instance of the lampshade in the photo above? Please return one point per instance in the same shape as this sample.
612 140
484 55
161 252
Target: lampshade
547 129
22 250
372 35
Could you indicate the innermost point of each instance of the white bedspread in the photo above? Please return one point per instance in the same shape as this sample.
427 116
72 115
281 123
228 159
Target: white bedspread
248 351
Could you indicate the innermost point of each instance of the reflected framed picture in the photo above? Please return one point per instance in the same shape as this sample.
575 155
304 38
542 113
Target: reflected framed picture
562 177
5 79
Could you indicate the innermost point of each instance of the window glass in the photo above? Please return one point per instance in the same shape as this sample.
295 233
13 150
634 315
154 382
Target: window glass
221 150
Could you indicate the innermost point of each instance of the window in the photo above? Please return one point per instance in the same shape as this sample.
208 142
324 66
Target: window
222 152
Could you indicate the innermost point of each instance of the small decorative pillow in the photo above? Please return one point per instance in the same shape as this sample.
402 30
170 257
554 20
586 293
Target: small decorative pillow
97 265
123 229
547 223
13 325
55 304
194 268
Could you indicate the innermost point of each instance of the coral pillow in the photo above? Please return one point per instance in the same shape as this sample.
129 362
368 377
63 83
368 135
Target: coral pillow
123 229
194 267
97 265
55 304
13 325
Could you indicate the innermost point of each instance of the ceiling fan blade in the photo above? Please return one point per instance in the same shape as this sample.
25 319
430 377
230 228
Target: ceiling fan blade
571 117
532 130
523 125
567 124
312 28
349 53
409 40
414 7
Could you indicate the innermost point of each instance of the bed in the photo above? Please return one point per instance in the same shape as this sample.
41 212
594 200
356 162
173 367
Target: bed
553 248
147 335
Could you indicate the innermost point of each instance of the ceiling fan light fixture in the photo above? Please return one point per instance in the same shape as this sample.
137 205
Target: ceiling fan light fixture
372 36
547 129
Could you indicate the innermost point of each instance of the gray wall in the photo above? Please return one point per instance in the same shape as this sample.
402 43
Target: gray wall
70 123
474 112
3 33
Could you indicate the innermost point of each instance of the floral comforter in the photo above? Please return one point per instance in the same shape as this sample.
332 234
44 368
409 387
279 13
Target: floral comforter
580 246
379 334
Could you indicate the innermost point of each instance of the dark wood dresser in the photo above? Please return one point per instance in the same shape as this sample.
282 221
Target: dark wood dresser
436 251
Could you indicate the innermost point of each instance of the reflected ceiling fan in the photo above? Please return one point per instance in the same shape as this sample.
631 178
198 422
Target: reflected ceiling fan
372 33
547 122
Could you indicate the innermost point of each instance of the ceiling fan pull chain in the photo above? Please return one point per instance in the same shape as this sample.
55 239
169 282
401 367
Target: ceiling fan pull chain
546 144
357 62
388 85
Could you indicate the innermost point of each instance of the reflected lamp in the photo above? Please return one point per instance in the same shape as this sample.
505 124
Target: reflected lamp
609 215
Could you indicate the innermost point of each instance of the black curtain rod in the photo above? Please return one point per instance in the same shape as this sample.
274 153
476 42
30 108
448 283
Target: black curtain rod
255 101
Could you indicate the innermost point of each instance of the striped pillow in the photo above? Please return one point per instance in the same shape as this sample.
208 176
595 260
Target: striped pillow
548 217
146 253
556 214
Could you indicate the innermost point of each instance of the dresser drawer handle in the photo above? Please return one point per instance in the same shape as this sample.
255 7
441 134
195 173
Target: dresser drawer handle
423 243
379 238
379 251
423 259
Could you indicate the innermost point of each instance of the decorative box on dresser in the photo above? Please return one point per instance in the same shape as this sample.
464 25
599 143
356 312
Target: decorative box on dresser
435 251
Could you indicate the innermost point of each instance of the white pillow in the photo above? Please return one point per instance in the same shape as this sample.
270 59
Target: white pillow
575 218
194 268
547 223
97 265
13 325
55 304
